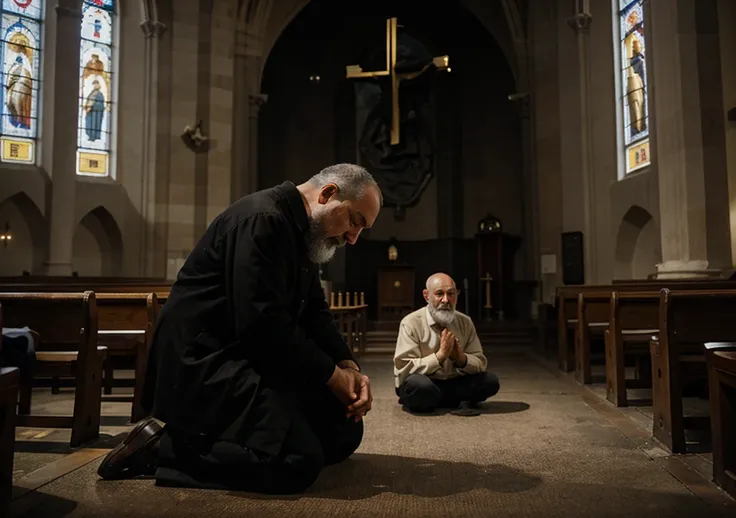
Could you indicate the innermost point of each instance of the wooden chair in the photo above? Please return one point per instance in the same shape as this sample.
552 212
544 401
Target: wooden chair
9 380
721 361
687 320
65 327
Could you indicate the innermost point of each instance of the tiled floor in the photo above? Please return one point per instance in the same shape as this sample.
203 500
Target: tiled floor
544 446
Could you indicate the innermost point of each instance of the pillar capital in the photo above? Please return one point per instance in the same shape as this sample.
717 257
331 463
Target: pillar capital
152 28
255 101
580 22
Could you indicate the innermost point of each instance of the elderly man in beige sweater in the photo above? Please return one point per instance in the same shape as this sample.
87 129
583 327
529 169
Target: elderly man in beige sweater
439 361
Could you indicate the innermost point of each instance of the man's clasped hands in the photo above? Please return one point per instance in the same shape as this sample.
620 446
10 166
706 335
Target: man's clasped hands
352 388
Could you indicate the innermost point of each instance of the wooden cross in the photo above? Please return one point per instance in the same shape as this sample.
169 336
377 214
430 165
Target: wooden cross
354 71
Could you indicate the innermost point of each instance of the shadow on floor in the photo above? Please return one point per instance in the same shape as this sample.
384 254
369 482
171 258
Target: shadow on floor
489 407
367 475
38 504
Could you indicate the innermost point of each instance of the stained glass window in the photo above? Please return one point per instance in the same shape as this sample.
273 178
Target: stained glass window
97 88
21 79
635 103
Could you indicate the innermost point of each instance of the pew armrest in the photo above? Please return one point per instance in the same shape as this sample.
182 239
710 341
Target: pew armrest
720 346
66 356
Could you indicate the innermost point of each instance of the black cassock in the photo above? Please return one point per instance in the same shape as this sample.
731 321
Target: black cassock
246 321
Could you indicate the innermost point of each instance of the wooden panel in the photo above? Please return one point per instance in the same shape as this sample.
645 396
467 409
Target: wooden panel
9 379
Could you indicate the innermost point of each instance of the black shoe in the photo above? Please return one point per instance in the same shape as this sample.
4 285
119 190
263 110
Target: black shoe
136 455
466 409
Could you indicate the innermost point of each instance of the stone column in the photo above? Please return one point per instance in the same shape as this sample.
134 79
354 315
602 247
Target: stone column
689 137
63 138
246 106
255 102
581 24
152 258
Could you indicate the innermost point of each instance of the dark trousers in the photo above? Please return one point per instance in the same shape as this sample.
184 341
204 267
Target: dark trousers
18 350
319 435
420 393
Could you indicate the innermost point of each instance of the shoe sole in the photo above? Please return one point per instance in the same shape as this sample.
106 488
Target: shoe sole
134 441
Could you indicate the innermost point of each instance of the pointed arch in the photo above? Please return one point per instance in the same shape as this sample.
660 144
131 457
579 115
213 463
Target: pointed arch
638 248
98 244
28 247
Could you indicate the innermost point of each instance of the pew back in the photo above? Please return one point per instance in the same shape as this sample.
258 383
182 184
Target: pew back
687 320
635 309
121 311
61 319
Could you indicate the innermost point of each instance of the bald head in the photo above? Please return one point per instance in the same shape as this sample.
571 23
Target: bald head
439 280
441 296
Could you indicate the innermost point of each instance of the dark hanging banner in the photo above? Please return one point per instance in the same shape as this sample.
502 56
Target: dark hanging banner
402 170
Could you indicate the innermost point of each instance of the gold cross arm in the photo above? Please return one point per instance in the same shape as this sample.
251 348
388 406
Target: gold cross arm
355 71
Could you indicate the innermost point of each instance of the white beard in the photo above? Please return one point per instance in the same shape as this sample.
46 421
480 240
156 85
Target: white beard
443 317
321 252
321 249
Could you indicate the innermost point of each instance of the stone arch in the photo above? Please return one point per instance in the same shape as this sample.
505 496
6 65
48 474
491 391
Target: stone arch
27 250
266 20
638 245
97 245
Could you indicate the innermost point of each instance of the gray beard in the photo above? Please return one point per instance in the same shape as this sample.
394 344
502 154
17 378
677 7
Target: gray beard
443 317
321 249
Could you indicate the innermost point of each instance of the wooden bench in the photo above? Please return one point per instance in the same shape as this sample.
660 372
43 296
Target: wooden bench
592 319
687 320
9 380
125 326
65 325
573 337
100 287
721 362
633 320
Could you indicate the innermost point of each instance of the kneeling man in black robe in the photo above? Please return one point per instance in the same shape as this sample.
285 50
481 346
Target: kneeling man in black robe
247 369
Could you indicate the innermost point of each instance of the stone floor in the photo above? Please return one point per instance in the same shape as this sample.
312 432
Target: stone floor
544 446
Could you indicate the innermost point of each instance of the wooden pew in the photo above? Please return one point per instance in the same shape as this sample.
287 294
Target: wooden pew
721 362
106 287
597 297
592 319
687 320
125 326
633 320
9 380
66 327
